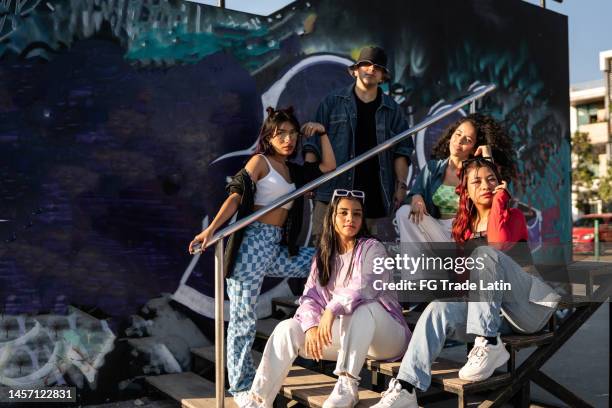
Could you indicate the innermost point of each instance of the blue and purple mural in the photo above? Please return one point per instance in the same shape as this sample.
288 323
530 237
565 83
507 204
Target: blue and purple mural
121 120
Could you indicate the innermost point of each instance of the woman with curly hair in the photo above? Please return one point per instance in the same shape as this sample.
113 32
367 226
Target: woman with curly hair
267 247
432 198
486 226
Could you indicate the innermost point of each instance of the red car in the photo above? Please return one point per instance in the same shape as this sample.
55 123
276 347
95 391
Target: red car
583 232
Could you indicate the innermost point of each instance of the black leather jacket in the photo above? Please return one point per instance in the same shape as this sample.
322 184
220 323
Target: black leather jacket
242 184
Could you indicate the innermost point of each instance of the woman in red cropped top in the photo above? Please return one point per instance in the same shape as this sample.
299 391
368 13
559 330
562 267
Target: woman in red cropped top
484 208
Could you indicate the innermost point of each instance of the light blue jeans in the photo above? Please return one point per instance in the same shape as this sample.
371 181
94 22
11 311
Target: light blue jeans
481 316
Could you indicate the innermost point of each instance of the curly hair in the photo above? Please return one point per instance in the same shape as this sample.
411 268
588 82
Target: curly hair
489 132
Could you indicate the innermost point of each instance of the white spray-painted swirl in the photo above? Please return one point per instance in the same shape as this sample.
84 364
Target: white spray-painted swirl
271 96
417 61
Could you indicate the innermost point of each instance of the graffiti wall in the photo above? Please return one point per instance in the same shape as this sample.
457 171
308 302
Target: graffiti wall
122 119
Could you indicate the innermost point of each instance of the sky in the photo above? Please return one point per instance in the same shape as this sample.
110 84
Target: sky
262 7
590 29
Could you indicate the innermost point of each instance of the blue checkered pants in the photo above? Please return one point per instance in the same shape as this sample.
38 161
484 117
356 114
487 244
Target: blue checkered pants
260 255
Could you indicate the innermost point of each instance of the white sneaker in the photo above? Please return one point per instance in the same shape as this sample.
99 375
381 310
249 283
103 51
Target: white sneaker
247 400
251 403
483 359
242 398
344 395
397 397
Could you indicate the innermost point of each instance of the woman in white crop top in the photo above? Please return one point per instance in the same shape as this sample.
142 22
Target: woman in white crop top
272 186
256 251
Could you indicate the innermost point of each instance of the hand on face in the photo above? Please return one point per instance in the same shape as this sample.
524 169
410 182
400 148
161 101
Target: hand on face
481 184
500 187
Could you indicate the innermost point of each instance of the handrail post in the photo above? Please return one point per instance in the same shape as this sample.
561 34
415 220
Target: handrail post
219 340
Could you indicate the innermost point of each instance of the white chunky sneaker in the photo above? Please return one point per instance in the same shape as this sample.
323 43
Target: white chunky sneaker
483 359
397 397
252 403
248 400
242 398
344 395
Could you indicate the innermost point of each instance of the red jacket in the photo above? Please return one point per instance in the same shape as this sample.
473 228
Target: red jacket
506 225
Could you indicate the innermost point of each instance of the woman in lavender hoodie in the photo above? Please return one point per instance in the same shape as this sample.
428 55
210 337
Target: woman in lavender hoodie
341 316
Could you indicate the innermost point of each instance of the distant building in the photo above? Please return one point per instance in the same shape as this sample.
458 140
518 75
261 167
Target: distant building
590 113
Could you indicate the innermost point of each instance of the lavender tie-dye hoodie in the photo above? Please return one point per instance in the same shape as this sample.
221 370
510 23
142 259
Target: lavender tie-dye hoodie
342 296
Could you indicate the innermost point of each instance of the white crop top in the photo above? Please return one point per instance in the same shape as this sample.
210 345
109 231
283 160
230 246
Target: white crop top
271 187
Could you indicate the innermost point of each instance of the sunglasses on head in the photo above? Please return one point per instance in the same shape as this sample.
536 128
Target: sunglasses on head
477 159
339 192
488 161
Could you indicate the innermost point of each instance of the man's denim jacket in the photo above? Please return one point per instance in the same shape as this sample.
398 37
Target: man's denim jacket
338 113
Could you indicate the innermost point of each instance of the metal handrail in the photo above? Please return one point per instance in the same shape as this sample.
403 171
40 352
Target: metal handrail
239 224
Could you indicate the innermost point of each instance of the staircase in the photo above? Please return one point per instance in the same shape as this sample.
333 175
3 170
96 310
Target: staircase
310 388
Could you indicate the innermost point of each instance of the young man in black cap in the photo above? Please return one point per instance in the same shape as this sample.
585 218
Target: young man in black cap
356 119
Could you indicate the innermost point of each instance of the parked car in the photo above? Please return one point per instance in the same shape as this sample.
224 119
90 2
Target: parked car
583 232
